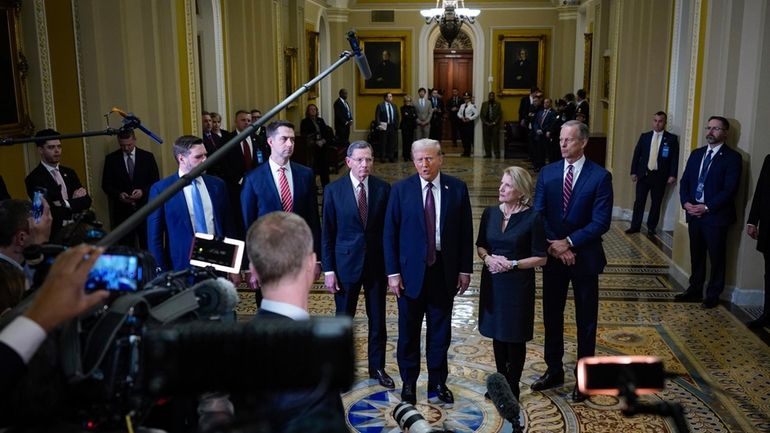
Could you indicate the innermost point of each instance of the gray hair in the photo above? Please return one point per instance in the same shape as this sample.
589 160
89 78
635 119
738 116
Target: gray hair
358 144
426 143
583 133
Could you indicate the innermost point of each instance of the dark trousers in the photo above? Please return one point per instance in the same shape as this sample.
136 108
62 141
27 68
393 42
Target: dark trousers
456 127
321 164
554 150
766 308
436 128
466 135
388 141
491 136
509 361
435 304
538 150
407 138
343 135
653 183
556 279
712 240
346 301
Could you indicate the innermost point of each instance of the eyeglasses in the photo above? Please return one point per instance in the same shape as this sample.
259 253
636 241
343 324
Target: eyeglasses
713 128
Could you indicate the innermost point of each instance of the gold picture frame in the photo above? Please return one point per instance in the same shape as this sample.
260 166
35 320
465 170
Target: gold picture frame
312 60
522 63
290 71
588 44
14 114
388 74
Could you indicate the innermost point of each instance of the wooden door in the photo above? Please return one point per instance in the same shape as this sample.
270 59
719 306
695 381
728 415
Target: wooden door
452 68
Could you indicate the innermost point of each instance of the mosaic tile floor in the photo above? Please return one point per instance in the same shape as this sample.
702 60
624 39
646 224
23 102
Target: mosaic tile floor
723 370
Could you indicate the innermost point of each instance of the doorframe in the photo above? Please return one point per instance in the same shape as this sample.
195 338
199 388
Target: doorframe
427 40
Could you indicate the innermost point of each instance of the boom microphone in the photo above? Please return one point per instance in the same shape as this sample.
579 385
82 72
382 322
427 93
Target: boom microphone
215 297
503 398
132 121
360 57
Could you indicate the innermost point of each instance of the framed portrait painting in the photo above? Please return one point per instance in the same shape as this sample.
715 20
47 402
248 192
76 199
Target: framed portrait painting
14 118
522 63
386 60
312 61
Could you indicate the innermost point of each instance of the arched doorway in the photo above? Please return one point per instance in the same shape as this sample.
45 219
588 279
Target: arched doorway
452 69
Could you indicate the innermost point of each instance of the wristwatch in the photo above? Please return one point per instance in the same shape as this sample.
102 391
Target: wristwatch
514 263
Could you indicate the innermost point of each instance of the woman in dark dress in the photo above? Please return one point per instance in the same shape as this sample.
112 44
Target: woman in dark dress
408 125
512 244
318 137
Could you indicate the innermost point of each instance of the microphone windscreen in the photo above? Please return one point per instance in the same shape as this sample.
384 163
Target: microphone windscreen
502 397
363 66
216 296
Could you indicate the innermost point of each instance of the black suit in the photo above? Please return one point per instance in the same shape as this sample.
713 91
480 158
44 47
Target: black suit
354 253
653 181
342 117
296 410
388 137
437 118
233 169
3 190
313 133
40 177
115 180
11 368
452 106
759 216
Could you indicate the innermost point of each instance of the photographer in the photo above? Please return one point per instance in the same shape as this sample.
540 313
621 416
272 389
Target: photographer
18 229
60 298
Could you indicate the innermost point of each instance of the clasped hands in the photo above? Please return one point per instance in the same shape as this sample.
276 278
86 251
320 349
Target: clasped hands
561 250
497 264
131 198
696 210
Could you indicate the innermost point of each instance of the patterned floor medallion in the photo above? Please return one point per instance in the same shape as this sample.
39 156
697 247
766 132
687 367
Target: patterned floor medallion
721 370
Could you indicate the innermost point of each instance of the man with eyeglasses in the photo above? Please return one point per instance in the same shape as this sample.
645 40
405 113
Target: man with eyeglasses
351 249
707 192
428 244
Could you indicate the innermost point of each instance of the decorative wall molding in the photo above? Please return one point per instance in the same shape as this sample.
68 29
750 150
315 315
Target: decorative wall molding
87 154
614 41
191 55
219 56
44 60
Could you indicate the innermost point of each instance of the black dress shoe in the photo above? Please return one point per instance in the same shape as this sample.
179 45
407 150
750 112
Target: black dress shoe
548 380
443 393
383 377
630 231
688 295
759 322
578 396
408 393
652 232
710 303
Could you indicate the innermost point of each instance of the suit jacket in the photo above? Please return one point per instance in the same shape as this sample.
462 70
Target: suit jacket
346 244
381 115
720 186
40 177
491 113
759 215
341 115
404 236
3 190
169 229
438 114
543 120
454 102
582 107
260 196
524 107
668 159
11 369
115 180
423 113
588 213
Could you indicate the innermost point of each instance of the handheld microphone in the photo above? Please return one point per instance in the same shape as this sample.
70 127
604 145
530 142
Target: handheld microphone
360 57
215 296
133 122
503 398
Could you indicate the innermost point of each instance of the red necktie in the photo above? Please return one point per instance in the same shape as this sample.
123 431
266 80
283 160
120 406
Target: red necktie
286 202
430 224
246 154
567 193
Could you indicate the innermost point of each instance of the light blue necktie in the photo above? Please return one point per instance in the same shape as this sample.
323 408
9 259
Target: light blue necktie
200 214
702 178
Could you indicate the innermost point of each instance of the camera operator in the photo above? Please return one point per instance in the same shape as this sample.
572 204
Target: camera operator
60 298
280 250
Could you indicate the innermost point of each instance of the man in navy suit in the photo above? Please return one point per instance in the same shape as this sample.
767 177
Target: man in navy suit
280 255
707 192
386 116
282 185
128 174
654 165
428 244
351 254
757 229
64 192
574 196
201 207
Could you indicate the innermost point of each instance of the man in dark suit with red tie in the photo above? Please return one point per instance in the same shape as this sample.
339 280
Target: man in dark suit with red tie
707 192
128 174
654 165
428 244
211 140
574 196
351 254
757 228
65 194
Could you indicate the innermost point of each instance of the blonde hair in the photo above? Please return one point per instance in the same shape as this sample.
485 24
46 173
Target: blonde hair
521 181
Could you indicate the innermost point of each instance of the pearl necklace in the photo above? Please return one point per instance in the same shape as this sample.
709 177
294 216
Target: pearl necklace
518 208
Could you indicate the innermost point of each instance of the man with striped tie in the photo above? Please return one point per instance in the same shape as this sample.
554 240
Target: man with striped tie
200 207
282 185
574 197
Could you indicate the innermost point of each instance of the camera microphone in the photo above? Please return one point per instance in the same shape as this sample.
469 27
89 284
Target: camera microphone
359 57
503 399
216 296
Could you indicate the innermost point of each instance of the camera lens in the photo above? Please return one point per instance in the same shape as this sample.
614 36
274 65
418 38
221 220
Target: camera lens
408 417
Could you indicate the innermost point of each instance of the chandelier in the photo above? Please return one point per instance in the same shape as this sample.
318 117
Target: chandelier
450 17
